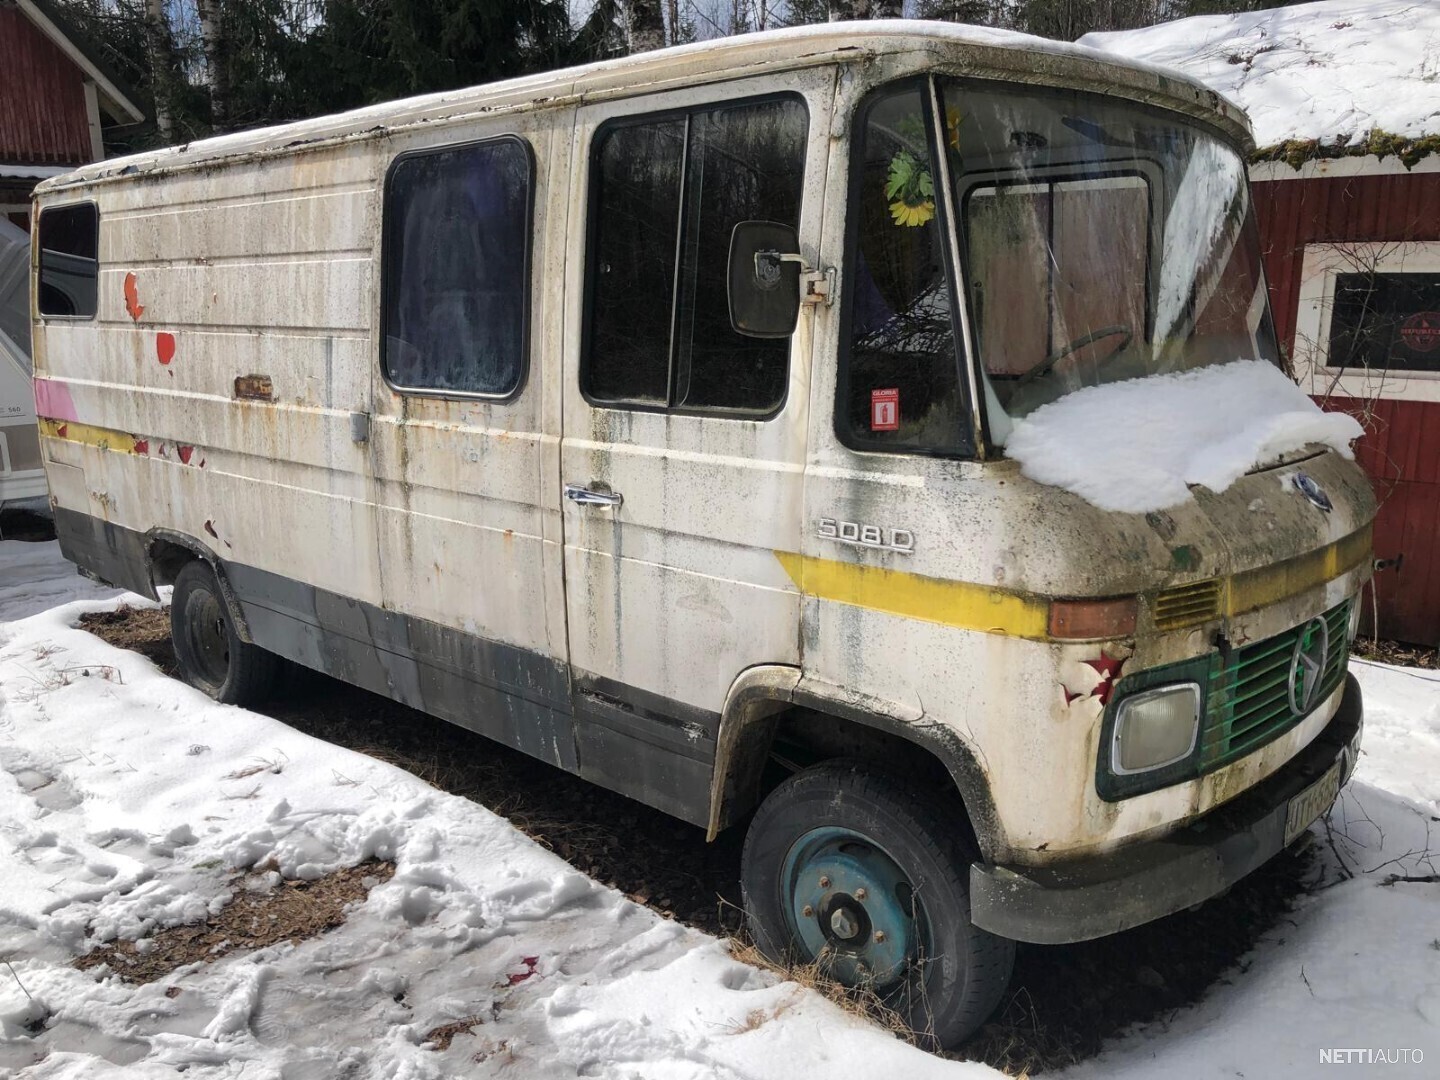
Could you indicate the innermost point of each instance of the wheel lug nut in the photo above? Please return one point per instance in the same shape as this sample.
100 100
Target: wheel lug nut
824 882
860 894
807 911
879 935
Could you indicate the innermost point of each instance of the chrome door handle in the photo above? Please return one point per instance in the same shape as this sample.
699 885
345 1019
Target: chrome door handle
587 497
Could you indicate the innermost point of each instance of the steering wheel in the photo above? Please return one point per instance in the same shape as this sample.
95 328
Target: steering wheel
1125 333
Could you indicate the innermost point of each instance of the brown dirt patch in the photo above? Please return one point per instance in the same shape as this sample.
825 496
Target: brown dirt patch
141 630
1395 652
444 1035
1063 1003
291 911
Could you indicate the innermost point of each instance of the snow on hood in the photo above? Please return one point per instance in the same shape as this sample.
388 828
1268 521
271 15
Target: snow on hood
1329 71
1137 445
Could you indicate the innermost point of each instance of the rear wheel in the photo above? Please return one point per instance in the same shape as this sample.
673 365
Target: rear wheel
844 866
211 655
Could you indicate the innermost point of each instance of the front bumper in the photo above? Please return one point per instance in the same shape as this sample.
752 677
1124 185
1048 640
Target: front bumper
1092 897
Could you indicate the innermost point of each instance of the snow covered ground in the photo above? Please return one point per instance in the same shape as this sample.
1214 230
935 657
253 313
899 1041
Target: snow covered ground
1329 71
118 816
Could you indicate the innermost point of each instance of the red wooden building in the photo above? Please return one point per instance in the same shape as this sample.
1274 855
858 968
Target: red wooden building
55 99
1352 251
1351 239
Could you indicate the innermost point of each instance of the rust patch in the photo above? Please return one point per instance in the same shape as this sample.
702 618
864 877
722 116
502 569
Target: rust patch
254 387
133 307
210 528
165 347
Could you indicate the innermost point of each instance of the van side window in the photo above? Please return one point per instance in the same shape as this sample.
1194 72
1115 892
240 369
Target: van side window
666 195
900 386
69 260
457 269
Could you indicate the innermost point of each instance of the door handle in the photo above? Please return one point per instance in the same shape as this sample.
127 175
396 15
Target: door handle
587 497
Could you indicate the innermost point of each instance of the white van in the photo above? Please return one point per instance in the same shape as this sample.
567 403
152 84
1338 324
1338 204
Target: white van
651 418
22 478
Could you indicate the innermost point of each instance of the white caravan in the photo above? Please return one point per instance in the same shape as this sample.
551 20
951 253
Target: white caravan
650 418
22 478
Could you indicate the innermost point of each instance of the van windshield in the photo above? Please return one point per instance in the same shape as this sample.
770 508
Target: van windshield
1102 240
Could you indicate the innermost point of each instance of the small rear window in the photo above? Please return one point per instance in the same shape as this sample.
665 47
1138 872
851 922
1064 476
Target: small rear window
69 266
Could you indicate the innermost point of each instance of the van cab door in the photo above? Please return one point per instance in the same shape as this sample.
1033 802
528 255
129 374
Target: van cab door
683 454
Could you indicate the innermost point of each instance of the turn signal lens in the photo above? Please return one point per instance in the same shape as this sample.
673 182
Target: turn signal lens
1085 620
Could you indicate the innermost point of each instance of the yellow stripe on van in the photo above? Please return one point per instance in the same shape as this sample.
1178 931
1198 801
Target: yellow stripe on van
1267 585
88 434
962 604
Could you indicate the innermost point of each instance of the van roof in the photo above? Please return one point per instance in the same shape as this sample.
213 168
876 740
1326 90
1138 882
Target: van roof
979 51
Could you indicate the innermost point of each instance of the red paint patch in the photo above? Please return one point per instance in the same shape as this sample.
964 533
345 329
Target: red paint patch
142 446
165 347
529 962
1109 668
132 298
185 452
63 430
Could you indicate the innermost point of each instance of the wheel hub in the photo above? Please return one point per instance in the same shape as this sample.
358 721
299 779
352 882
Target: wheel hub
851 907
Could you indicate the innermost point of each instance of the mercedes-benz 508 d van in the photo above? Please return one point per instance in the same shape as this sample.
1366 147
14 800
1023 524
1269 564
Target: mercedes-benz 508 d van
712 424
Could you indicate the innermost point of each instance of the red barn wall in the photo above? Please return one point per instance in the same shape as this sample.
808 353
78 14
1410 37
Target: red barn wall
1401 448
42 98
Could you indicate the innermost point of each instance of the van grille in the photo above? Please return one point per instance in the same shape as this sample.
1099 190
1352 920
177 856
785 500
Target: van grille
1187 605
1248 704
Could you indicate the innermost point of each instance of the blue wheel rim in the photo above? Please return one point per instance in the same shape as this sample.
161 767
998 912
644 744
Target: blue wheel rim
850 906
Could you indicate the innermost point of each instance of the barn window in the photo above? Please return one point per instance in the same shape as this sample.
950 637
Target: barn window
69 261
1386 322
457 269
667 193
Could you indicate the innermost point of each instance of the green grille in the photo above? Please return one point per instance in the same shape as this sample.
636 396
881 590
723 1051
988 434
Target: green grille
1248 704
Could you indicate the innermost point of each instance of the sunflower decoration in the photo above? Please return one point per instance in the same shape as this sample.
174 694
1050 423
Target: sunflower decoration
910 189
909 186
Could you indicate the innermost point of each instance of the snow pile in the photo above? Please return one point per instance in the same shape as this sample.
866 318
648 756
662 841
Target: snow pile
1329 71
1136 445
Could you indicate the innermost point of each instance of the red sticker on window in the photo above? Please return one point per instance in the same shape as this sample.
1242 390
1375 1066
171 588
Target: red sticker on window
1421 332
885 410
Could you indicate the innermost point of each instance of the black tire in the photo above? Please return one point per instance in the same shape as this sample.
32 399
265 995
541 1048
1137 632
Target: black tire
954 974
210 653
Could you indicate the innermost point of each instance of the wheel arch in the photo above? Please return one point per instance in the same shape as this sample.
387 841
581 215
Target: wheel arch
756 707
167 551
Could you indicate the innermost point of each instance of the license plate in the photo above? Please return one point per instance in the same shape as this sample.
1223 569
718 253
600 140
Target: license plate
1311 803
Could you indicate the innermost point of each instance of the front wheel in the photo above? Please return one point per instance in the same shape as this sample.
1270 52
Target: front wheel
208 649
845 866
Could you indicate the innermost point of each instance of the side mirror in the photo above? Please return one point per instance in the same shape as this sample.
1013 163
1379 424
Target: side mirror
764 279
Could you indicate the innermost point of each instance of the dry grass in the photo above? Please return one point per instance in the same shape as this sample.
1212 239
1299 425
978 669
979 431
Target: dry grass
443 1035
292 911
861 1001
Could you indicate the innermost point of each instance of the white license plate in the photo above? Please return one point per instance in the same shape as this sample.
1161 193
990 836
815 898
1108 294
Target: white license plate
1311 803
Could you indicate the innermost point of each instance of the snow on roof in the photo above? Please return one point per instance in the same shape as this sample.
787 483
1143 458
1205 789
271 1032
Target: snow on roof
1328 71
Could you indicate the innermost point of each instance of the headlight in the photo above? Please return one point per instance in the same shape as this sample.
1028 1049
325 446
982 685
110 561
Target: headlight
1155 728
1354 627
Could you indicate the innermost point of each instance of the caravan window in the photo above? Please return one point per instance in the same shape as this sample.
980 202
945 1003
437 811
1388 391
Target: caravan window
667 193
457 269
69 266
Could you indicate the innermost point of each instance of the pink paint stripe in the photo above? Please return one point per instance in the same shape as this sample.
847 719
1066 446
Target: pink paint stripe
52 400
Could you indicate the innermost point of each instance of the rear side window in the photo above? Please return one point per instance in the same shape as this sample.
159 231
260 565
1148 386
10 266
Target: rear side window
1386 322
69 260
457 269
667 193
